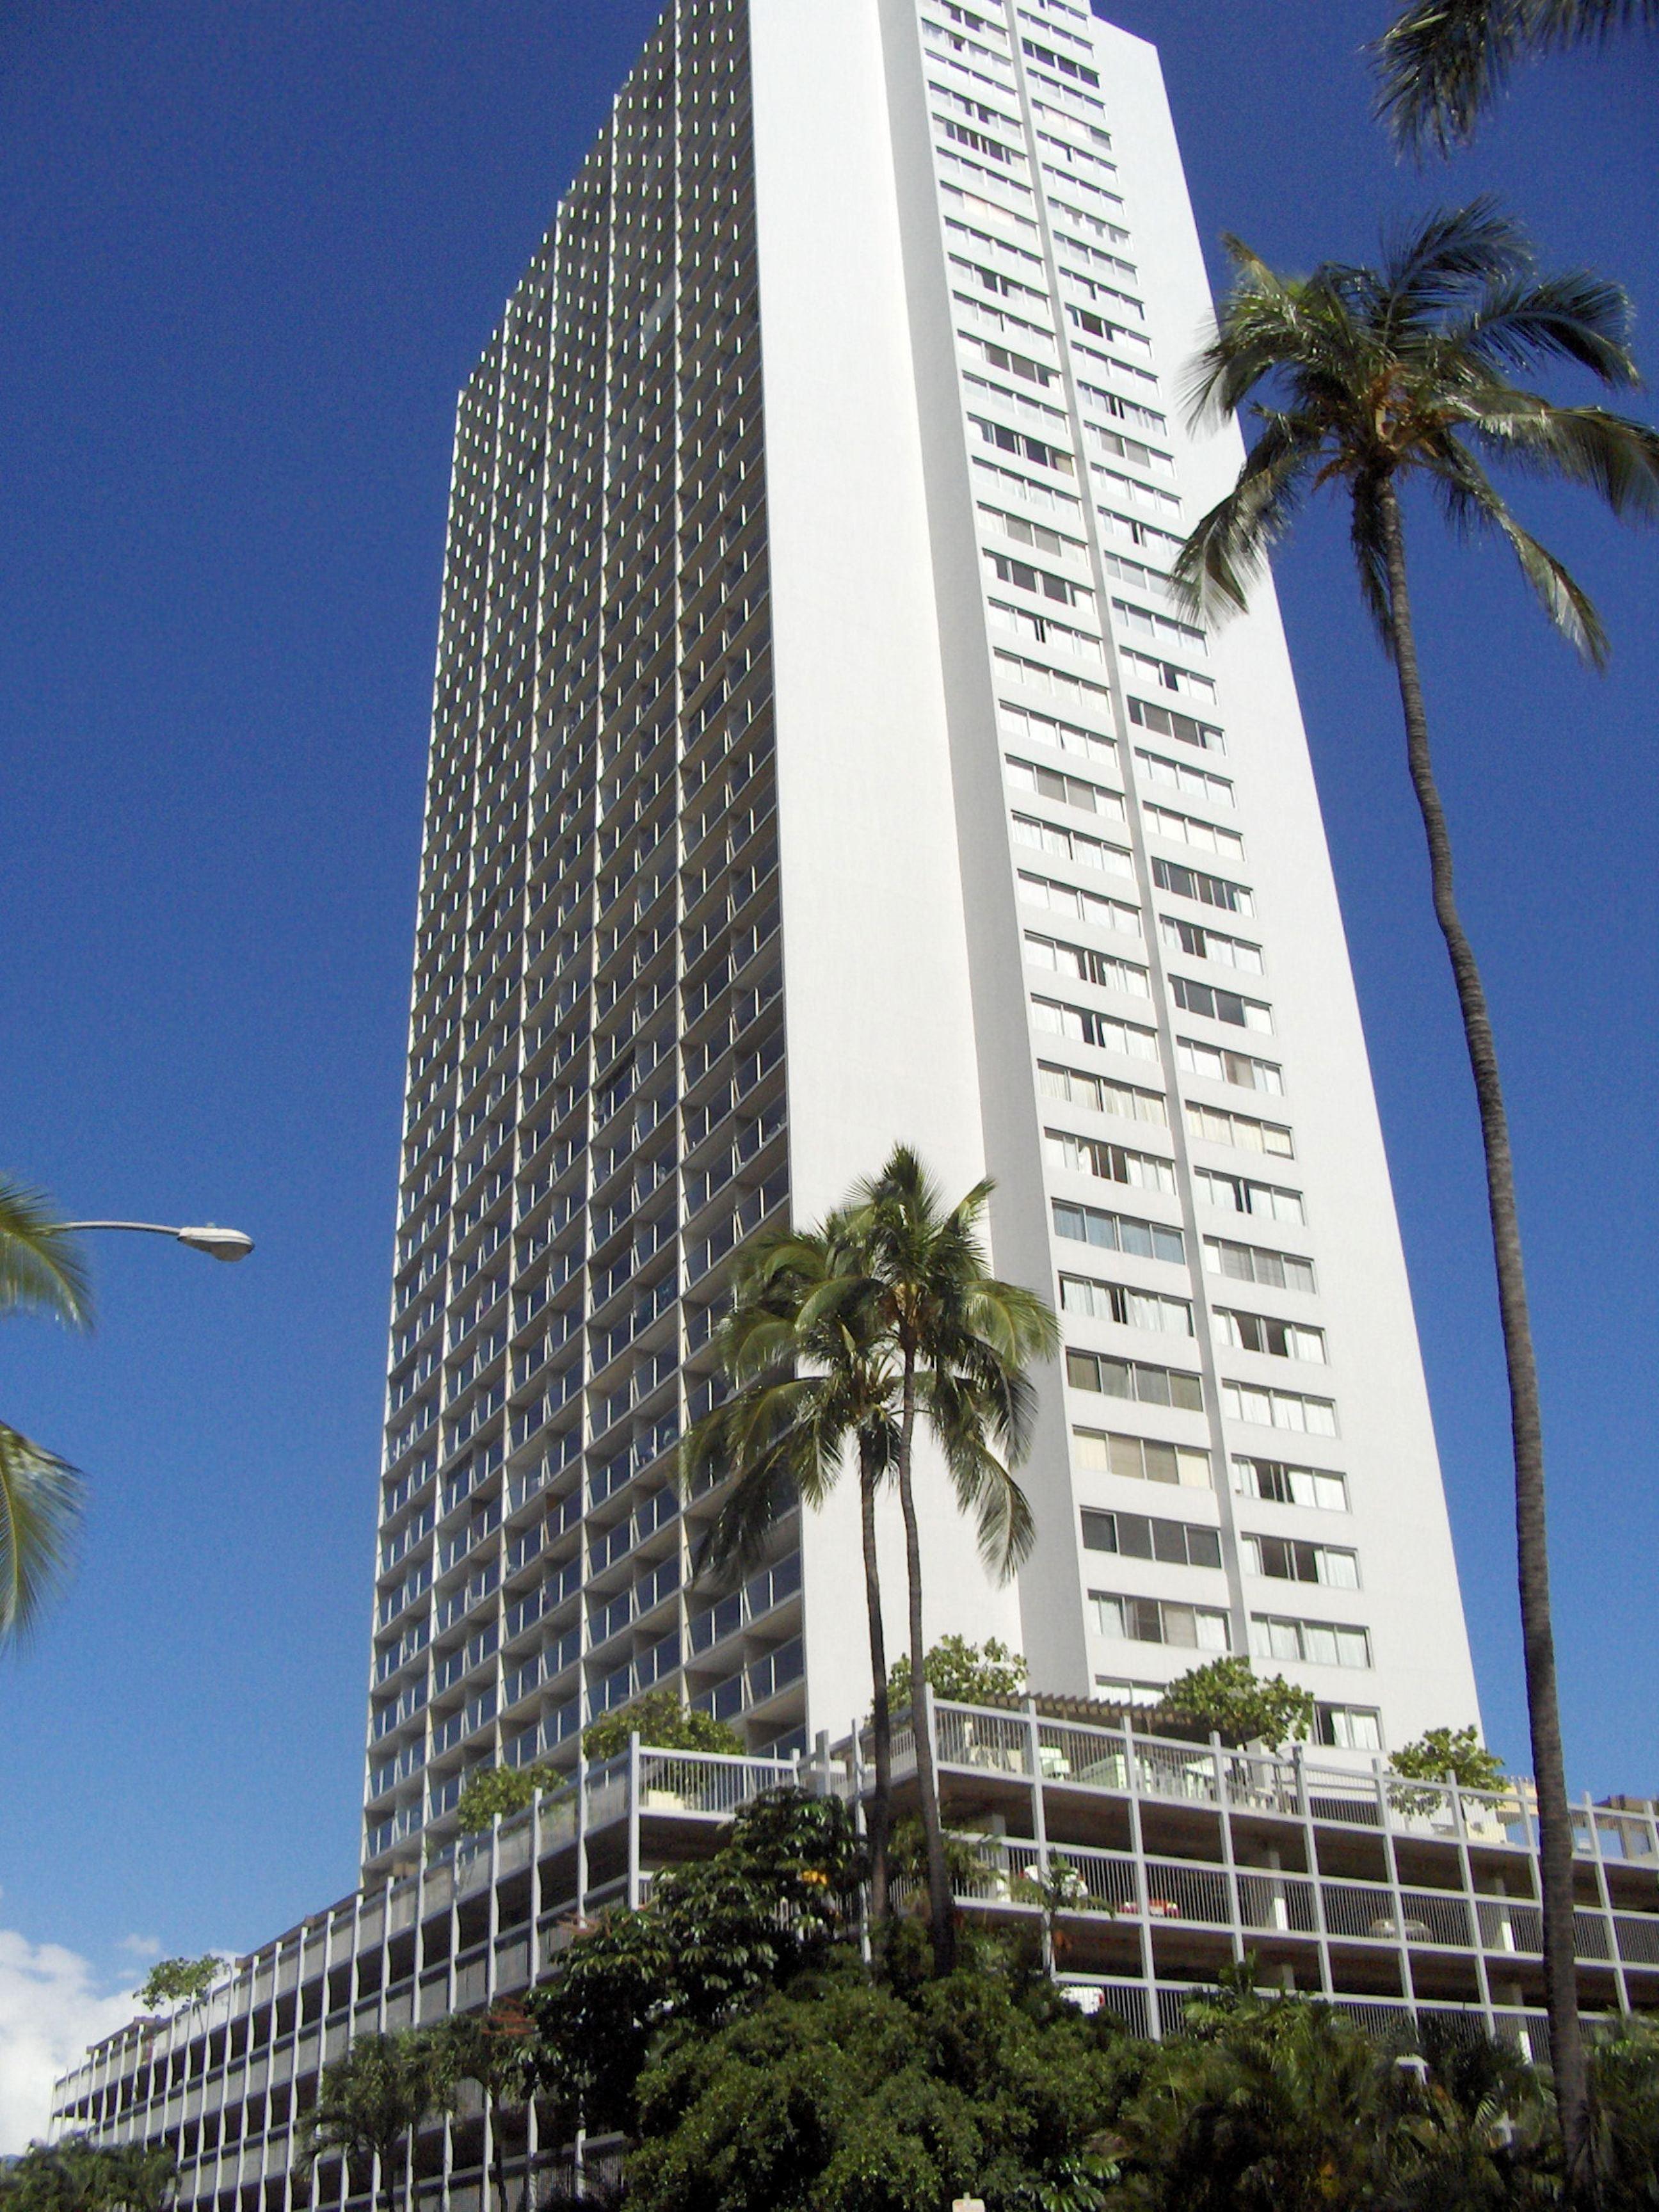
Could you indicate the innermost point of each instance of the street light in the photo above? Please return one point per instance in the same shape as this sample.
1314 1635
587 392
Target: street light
223 1243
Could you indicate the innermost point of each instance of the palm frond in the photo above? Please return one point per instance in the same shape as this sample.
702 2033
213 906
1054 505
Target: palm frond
1437 263
1472 503
40 1266
985 1487
40 1509
1612 455
1441 63
1575 316
1228 547
1444 61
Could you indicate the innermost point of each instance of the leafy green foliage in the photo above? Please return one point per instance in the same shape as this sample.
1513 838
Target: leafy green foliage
1623 2140
172 1980
660 1719
374 2098
494 2049
1457 1752
712 1938
848 2095
78 2175
1284 2104
499 1791
1241 1707
967 1674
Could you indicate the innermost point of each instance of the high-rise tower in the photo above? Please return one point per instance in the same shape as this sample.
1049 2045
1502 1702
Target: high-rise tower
816 761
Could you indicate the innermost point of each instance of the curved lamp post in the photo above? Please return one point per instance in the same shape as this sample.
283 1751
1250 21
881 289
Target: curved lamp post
223 1243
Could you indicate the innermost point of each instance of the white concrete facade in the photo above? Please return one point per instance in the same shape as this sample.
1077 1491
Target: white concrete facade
816 764
978 468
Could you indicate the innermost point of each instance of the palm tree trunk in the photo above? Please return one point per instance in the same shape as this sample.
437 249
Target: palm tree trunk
497 2154
1537 1636
881 1718
940 1904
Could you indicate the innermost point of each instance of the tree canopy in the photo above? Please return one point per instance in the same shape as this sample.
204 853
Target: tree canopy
967 1673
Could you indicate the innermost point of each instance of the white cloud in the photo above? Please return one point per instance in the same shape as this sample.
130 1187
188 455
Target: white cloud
51 2006
142 1947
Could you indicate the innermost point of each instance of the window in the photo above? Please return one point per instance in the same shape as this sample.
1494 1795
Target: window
1084 965
1082 1294
1178 775
1218 1126
1042 729
1101 1095
1200 944
1218 1065
1280 1484
1166 723
1024 531
1084 1026
1080 905
1029 579
1211 890
1136 1379
1278 1409
1069 790
1043 629
959 134
1237 1194
1281 1559
1142 1536
1156 1620
1163 629
1019 364
1119 1232
1280 1339
1141 1459
1194 997
1254 1263
1184 682
1040 494
1064 683
1189 830
1017 442
1348 1727
1062 62
1316 1643
1074 845
1116 1690
1108 1163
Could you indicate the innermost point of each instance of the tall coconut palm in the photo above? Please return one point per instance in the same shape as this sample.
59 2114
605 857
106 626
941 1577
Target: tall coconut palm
40 1271
1368 378
962 1341
812 1382
1444 61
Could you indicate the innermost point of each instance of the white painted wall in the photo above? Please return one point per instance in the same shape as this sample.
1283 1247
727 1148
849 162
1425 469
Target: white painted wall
877 994
905 991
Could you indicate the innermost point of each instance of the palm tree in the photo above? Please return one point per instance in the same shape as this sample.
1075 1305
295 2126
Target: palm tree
40 1271
1442 61
961 1340
374 2099
494 2050
812 1379
1373 377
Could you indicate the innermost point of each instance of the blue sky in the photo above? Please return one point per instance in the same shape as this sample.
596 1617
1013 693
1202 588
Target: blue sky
250 255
